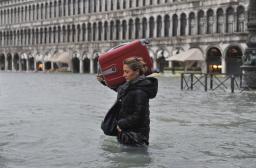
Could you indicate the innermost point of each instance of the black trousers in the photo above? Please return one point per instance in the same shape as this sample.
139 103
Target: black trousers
131 138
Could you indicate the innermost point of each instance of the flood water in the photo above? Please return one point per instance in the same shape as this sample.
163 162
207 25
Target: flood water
53 121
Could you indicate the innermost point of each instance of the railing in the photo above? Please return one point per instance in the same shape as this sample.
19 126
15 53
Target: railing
211 81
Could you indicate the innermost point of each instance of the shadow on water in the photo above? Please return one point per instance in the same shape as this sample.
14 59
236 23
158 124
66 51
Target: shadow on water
123 156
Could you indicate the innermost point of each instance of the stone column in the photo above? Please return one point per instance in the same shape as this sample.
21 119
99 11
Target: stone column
225 21
214 22
35 68
91 66
27 64
43 68
235 21
13 69
103 5
187 26
223 64
81 66
179 26
6 62
52 65
155 28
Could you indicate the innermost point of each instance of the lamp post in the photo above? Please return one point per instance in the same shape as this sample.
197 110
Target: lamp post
249 59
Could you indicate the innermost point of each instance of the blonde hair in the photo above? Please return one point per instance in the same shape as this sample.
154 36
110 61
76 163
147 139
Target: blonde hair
136 63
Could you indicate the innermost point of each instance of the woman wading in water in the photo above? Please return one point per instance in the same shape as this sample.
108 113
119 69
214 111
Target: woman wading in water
133 122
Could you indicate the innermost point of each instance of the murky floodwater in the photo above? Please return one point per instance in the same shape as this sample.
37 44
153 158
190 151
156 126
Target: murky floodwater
53 121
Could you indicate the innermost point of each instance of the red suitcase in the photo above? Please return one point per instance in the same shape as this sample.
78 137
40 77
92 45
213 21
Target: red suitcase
111 62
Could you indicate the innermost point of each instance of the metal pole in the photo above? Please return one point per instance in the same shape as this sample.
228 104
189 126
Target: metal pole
232 83
211 81
205 82
192 81
181 81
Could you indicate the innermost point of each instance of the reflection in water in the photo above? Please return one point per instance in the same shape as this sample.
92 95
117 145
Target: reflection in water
124 156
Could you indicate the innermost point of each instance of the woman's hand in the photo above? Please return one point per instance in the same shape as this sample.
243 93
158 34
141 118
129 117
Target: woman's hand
100 78
118 129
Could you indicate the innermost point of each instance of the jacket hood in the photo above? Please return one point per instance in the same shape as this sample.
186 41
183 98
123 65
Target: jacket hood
147 84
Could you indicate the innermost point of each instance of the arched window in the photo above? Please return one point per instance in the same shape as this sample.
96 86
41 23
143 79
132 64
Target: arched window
73 33
64 32
137 28
59 34
95 6
117 29
220 21
78 7
100 5
50 10
240 19
64 7
111 5
166 26
37 11
130 4
42 11
69 7
192 24
174 25
68 33
60 9
230 20
210 21
83 32
118 4
74 7
78 33
137 3
94 29
111 30
144 27
144 3
159 26
46 11
130 29
50 35
34 12
106 5
25 17
55 9
124 4
54 35
99 30
183 24
106 31
201 22
151 27
124 24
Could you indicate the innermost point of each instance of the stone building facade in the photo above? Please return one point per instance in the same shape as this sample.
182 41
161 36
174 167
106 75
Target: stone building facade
45 34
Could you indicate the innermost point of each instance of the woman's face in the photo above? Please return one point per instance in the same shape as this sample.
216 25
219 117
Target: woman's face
129 74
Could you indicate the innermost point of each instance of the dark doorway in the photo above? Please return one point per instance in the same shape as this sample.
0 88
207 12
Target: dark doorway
2 62
86 65
9 62
234 60
16 61
213 60
75 65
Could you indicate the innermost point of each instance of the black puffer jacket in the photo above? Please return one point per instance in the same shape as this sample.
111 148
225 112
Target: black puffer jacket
134 97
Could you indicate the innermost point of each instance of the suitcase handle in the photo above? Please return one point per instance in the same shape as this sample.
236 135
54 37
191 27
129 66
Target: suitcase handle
110 70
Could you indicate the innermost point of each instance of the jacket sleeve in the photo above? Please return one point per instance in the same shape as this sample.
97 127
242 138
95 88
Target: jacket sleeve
140 106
